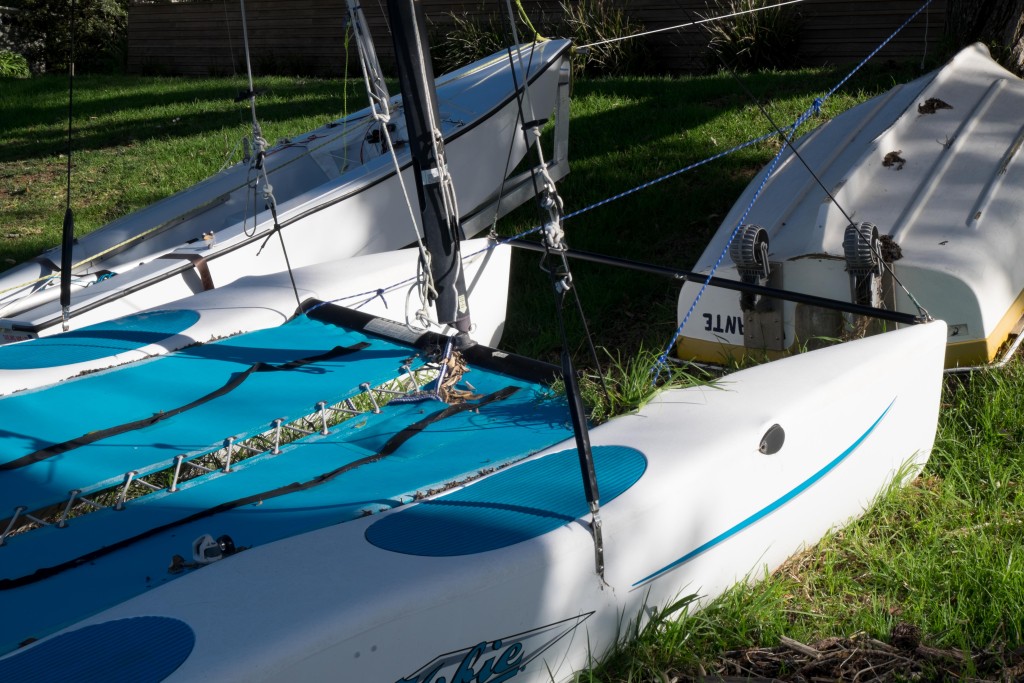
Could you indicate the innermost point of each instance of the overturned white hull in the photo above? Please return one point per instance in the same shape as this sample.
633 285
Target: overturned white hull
338 196
935 164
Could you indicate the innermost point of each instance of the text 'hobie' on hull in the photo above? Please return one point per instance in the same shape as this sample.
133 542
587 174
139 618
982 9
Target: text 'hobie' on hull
928 175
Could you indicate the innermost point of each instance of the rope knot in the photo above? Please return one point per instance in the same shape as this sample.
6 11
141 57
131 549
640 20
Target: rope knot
816 105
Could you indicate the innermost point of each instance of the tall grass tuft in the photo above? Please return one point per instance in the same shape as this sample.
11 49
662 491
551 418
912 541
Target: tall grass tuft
589 22
765 39
469 37
13 65
629 384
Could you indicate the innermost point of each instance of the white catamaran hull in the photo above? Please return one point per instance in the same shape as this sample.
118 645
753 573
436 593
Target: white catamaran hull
331 206
399 597
935 164
378 284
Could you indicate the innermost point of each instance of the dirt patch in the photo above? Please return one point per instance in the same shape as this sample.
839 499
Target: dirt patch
863 658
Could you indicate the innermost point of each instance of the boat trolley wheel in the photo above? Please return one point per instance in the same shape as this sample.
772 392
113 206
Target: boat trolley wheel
861 249
749 251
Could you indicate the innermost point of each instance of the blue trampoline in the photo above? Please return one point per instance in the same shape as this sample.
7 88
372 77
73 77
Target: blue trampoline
91 431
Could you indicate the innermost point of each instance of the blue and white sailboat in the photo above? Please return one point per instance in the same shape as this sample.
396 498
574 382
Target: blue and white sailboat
345 497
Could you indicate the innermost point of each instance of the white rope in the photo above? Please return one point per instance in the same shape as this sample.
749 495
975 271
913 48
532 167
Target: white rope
373 79
381 112
526 102
688 24
426 282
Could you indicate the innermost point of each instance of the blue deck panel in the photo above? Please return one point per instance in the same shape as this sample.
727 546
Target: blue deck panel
130 393
141 389
97 341
135 650
444 451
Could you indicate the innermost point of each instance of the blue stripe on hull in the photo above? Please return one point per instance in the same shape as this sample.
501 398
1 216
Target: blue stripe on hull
768 509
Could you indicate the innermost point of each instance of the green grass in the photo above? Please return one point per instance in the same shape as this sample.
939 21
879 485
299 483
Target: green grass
944 553
135 141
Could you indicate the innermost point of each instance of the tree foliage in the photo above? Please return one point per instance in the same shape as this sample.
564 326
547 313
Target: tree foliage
42 29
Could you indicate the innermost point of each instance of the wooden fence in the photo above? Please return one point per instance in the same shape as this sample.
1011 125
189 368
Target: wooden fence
307 36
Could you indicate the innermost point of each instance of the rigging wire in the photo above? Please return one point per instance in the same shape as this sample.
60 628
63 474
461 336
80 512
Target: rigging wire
522 98
260 145
512 140
381 112
68 232
231 39
552 202
561 281
687 25
924 52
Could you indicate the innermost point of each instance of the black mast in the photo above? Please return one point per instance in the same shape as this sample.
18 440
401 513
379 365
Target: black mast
68 232
441 230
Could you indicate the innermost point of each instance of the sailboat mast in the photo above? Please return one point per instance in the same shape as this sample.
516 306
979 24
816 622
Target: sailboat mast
438 210
68 232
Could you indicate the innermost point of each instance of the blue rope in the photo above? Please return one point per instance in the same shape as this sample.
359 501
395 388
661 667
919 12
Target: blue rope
815 108
673 174
812 110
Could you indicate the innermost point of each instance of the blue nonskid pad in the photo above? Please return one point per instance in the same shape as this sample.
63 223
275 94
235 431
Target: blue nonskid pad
135 650
97 341
512 506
